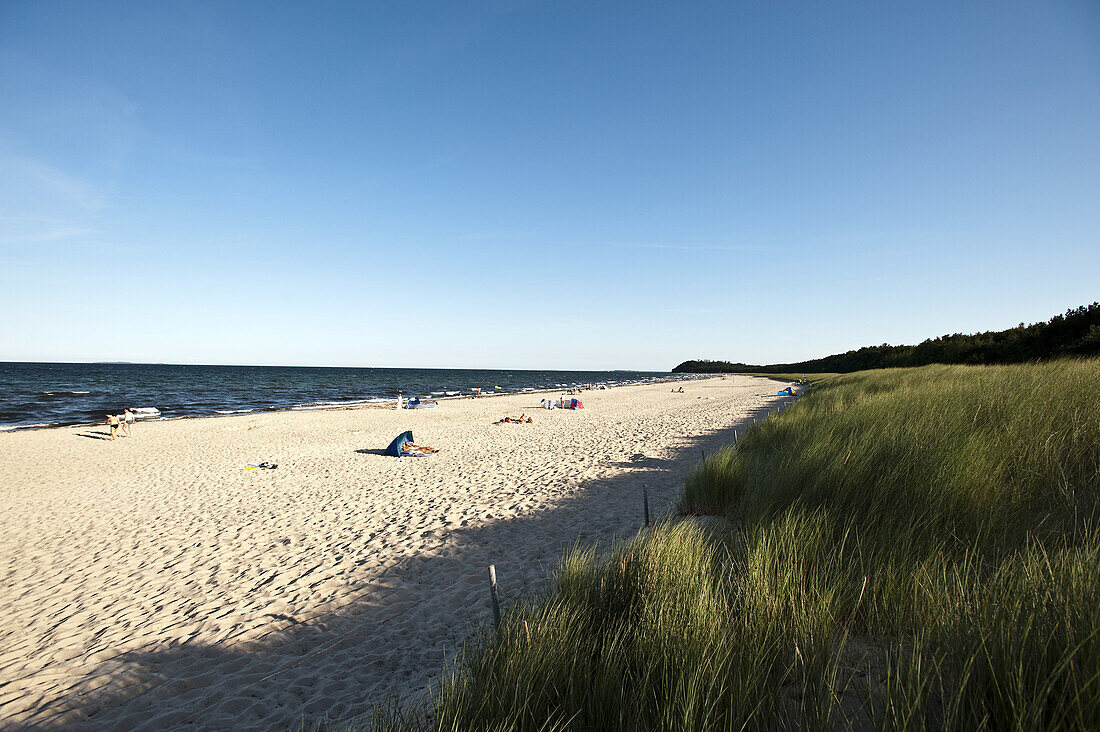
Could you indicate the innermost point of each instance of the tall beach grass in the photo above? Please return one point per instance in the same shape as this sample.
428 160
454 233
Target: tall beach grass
903 549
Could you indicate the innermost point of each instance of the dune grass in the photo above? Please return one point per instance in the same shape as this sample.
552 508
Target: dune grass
963 503
903 549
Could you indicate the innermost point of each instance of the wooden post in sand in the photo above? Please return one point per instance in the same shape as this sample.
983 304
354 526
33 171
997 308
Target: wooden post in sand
645 505
493 594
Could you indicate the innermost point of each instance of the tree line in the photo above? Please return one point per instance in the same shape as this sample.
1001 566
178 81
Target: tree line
1076 333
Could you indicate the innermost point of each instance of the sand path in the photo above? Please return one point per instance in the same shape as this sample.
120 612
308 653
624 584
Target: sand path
150 583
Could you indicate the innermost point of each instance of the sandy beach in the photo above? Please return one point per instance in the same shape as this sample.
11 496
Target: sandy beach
150 582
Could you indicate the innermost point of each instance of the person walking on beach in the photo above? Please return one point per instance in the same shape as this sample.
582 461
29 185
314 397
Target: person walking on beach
112 422
127 422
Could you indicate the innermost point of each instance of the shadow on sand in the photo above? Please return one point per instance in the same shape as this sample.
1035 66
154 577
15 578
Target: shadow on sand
301 670
95 435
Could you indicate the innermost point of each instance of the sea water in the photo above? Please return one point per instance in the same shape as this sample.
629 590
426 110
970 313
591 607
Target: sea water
52 394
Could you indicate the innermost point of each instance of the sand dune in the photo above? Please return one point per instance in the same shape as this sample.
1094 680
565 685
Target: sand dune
149 582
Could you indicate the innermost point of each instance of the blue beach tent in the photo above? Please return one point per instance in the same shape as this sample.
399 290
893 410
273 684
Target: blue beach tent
395 447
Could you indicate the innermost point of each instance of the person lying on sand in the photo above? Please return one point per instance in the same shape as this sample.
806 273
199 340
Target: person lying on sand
521 419
413 447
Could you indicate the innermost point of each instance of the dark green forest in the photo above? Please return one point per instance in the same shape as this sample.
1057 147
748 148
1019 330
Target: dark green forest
1077 333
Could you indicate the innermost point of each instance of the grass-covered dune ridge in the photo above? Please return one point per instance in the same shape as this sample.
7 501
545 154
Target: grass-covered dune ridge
907 549
951 454
962 502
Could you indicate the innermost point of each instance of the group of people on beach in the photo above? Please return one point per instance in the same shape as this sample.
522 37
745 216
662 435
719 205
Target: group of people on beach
124 421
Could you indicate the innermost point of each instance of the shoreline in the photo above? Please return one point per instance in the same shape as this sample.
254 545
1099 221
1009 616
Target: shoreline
367 403
155 583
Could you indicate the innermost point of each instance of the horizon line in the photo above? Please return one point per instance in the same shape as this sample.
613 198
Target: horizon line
314 366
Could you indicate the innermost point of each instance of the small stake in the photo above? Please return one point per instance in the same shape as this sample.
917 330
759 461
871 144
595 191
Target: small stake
645 505
493 594
704 452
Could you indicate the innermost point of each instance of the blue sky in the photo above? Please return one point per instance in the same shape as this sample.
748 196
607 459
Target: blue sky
540 185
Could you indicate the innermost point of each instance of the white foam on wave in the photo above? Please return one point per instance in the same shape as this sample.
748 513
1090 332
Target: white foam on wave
233 411
347 403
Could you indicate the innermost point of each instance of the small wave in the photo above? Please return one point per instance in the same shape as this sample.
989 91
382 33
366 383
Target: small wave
347 403
233 411
11 427
146 412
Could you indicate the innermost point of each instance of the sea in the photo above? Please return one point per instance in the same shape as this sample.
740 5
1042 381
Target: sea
39 395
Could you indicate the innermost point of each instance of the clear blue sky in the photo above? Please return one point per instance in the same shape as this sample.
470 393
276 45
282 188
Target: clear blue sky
541 185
